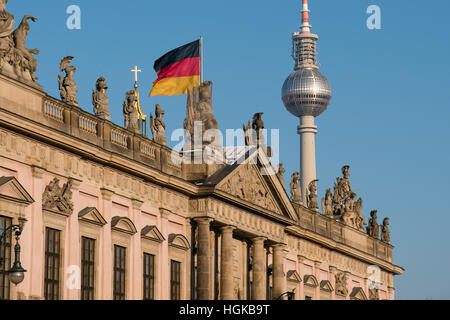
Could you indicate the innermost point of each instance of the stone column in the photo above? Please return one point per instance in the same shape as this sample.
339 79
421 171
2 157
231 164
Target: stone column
300 270
106 264
279 279
332 279
226 264
72 241
203 259
34 230
259 270
317 268
165 263
135 255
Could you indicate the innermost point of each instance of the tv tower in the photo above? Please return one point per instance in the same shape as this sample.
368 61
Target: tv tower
306 94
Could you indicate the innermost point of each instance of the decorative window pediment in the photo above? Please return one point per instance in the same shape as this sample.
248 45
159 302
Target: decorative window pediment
293 276
326 286
12 190
123 224
92 215
358 294
179 241
311 281
152 233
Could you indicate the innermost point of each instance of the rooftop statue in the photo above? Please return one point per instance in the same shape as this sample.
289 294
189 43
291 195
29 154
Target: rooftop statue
6 20
130 111
200 109
327 204
312 196
16 60
343 205
249 137
67 86
296 192
258 126
373 229
158 126
280 174
100 100
385 233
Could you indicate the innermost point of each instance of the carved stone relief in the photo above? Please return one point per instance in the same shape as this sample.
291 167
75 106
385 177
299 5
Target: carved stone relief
246 185
58 199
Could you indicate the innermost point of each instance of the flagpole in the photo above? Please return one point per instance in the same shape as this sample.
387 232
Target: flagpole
201 60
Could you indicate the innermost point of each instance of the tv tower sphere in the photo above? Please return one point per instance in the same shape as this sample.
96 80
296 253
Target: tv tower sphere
306 92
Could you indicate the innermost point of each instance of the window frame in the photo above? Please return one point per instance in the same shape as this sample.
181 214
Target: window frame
55 257
88 265
149 274
121 270
175 280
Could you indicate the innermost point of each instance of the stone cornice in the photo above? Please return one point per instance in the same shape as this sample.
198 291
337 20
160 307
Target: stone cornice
94 153
343 248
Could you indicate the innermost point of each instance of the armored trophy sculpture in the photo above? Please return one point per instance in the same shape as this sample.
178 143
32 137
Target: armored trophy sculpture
67 86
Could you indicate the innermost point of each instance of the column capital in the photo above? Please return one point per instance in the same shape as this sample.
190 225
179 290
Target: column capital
106 194
258 239
301 258
165 213
204 220
279 246
332 269
37 172
317 264
137 204
225 229
75 183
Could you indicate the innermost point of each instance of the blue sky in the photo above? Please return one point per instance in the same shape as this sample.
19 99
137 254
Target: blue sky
388 118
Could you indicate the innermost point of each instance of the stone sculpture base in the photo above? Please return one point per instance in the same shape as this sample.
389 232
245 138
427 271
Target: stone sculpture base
19 74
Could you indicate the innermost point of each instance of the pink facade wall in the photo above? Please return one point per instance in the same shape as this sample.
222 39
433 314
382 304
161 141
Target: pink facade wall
86 195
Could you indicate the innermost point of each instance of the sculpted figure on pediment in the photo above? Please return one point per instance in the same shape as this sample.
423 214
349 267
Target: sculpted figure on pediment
246 186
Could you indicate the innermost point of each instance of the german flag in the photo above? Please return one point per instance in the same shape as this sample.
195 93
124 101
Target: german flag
178 71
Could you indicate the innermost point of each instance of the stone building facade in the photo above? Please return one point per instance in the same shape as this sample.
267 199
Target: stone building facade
235 234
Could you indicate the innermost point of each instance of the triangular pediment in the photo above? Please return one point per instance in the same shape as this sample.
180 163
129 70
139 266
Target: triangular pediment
248 182
152 233
11 189
123 224
293 276
358 294
326 286
311 281
92 215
